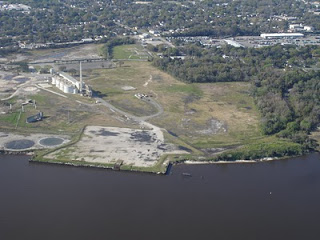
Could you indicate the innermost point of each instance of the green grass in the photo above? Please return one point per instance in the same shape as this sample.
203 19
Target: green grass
10 118
132 51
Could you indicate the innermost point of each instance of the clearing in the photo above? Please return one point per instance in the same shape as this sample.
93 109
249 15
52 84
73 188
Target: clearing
130 52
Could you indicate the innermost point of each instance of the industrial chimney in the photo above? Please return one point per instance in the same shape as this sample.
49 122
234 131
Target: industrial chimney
81 82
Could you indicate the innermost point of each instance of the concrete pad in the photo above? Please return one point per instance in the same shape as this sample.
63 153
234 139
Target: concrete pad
141 148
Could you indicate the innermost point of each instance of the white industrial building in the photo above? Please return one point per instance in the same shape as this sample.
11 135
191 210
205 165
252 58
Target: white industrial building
296 27
300 28
69 84
281 35
308 28
65 82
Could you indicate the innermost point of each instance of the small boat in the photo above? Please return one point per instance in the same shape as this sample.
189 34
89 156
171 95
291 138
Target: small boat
186 174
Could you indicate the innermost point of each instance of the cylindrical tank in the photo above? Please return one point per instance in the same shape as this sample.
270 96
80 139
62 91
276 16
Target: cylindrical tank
61 85
75 90
58 82
53 80
68 88
65 88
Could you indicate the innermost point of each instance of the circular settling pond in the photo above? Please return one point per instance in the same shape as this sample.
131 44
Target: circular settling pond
50 142
19 144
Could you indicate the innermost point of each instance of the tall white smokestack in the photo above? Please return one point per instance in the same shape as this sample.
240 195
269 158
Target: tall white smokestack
81 83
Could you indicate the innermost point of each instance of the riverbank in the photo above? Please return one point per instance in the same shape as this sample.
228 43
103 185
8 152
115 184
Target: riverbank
236 161
162 167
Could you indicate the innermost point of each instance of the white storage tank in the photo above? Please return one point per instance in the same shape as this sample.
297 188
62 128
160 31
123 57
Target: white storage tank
61 85
53 80
65 88
58 82
68 89
75 90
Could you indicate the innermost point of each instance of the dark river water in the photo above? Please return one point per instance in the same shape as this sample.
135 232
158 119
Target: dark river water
273 200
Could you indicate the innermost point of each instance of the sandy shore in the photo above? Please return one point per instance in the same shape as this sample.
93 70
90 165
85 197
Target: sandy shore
230 162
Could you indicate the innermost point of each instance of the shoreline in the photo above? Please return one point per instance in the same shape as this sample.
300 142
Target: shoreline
167 169
97 166
268 159
261 160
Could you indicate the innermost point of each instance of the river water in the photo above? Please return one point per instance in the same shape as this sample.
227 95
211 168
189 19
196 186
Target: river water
272 200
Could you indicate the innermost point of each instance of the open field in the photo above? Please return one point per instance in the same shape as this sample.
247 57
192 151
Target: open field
204 115
132 51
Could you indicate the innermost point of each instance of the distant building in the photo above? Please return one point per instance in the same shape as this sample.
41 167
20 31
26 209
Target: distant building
308 28
87 40
300 28
296 27
18 7
233 43
144 36
154 32
281 35
178 57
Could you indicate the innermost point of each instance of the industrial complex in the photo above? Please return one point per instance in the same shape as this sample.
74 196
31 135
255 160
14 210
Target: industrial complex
69 84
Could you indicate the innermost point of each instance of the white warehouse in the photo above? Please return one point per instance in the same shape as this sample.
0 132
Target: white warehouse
281 35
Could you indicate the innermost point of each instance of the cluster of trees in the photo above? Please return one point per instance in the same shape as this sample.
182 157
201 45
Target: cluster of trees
200 69
233 64
289 103
286 91
262 150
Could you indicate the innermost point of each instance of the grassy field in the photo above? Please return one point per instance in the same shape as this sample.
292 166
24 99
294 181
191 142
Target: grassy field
202 115
63 115
132 51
